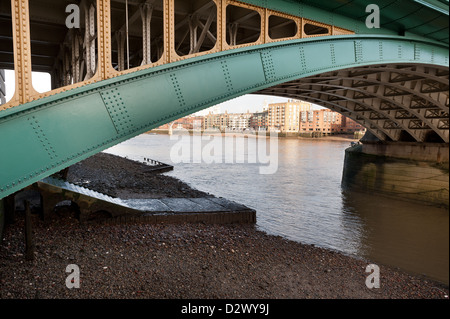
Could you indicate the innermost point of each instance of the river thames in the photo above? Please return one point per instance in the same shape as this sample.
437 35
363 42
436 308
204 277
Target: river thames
303 201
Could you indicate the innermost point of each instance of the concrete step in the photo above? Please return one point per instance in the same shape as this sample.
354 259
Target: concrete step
81 190
167 210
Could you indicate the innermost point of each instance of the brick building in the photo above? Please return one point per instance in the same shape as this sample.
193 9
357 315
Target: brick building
328 122
290 117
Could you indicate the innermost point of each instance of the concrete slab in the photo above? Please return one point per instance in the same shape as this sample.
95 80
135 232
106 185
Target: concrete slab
183 205
147 205
208 205
229 205
166 210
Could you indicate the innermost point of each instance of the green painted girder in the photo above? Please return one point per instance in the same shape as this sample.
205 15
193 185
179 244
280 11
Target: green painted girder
437 5
423 18
42 137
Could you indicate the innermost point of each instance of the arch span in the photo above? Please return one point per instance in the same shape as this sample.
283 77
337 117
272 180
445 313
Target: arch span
44 136
389 100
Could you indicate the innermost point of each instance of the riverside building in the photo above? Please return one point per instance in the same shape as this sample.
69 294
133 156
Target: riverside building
326 121
285 117
293 118
258 121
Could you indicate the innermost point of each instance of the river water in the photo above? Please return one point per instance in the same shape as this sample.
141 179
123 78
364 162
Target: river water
303 200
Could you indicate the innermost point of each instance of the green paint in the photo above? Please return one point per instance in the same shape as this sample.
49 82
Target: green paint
425 19
42 137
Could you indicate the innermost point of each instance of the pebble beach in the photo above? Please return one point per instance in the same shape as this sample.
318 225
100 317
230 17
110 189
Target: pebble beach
183 261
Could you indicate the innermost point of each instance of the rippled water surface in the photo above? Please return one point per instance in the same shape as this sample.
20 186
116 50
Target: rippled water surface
303 200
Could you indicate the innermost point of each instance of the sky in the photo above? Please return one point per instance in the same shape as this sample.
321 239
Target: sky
251 102
41 82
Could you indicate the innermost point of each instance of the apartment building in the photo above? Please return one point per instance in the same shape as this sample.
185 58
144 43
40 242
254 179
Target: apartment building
239 122
324 120
291 117
216 121
258 121
285 117
230 121
327 122
350 126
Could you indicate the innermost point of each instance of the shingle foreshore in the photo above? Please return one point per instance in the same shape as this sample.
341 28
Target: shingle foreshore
183 261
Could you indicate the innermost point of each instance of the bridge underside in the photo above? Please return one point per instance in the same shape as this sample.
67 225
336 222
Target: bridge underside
406 102
405 99
135 65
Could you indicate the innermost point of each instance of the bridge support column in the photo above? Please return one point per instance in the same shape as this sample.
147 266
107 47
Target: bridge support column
146 17
89 41
67 68
29 244
232 29
416 172
120 38
76 58
22 47
7 209
193 33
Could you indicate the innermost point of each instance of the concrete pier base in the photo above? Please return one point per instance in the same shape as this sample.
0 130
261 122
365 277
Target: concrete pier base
407 171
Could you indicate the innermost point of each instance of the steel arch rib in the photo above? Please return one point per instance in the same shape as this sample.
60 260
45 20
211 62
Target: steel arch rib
360 119
374 96
369 108
407 70
385 84
42 137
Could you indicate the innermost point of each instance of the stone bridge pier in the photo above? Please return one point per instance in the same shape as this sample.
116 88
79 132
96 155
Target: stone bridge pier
401 170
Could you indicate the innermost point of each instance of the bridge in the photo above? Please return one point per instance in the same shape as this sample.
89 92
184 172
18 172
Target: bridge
122 67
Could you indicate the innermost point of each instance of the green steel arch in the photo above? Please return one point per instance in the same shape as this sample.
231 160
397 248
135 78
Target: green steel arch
42 137
426 19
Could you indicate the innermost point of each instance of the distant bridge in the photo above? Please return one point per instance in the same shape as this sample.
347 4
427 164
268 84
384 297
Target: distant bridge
135 65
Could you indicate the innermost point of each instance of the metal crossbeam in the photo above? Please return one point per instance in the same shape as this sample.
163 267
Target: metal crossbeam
401 103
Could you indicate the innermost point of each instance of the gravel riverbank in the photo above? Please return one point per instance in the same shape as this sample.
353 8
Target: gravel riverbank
179 261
